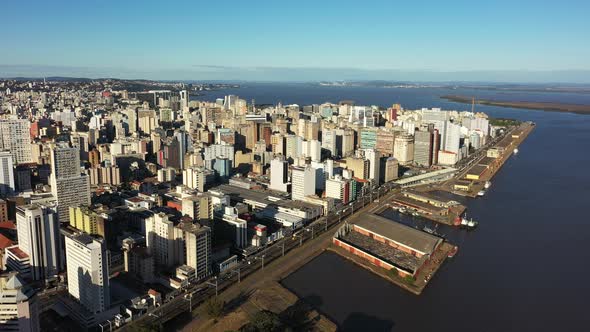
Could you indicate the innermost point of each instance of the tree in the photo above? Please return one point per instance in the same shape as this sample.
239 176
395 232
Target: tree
214 307
409 279
263 321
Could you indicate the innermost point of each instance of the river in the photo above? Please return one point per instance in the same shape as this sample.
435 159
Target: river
525 268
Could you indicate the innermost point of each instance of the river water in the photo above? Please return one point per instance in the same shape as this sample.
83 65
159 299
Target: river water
526 267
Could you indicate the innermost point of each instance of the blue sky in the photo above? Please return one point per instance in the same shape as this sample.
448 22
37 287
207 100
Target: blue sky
284 40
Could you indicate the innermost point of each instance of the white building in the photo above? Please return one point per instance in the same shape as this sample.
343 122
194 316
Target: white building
15 136
197 177
374 158
278 175
403 149
38 236
19 310
164 241
6 173
88 275
302 182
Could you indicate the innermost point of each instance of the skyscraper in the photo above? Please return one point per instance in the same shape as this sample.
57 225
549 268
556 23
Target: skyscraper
6 173
423 142
68 185
197 240
88 276
38 237
302 182
278 175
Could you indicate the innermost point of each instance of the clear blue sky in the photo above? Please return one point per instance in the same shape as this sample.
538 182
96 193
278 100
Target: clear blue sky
165 39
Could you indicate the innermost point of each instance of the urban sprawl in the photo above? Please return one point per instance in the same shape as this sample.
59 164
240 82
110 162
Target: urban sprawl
126 201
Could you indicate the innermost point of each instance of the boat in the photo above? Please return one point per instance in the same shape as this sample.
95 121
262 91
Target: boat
487 185
416 214
515 151
481 193
428 230
472 224
402 210
464 222
453 252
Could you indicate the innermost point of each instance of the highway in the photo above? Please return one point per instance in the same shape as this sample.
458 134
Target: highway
196 294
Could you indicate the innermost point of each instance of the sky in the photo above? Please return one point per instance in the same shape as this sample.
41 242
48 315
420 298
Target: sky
298 40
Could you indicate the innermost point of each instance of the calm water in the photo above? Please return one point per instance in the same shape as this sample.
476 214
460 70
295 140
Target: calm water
527 266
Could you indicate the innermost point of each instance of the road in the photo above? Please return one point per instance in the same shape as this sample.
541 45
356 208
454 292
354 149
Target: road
286 255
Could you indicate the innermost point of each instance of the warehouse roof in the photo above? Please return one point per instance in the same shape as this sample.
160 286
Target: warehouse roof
407 236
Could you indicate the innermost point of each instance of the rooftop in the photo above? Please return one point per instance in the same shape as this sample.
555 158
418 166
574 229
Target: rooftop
407 236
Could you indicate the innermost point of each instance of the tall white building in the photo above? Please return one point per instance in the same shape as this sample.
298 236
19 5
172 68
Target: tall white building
68 185
452 138
6 173
38 236
302 182
403 149
88 275
164 241
374 158
15 136
19 310
278 175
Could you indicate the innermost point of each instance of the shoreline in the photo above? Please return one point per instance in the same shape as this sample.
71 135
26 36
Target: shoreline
542 106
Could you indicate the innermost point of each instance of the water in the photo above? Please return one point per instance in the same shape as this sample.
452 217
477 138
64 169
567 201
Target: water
526 268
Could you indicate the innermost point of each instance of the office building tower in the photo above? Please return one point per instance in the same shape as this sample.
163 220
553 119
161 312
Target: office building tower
68 185
6 174
38 236
404 149
19 309
452 138
197 240
374 158
278 175
15 136
329 141
222 167
391 169
423 143
359 167
164 241
88 275
302 182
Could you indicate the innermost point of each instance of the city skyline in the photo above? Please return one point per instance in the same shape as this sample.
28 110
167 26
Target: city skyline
299 42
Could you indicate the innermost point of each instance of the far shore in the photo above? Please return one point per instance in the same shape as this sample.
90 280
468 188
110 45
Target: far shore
551 107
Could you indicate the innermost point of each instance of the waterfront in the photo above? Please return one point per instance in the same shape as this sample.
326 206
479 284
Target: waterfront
523 269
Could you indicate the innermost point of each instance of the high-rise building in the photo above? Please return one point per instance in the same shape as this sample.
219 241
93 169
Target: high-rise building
374 158
164 241
68 185
359 167
278 175
88 275
404 149
6 174
197 240
338 188
19 309
38 236
423 143
302 182
197 177
453 138
15 136
391 169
